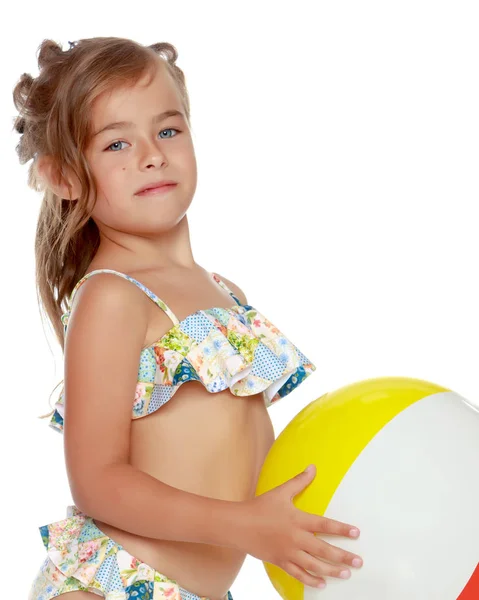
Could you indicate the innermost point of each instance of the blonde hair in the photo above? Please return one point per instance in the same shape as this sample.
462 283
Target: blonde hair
54 119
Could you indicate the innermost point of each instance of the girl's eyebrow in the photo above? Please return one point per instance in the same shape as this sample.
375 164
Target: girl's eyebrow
156 119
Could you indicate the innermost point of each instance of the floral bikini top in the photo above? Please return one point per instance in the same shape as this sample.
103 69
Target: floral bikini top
235 348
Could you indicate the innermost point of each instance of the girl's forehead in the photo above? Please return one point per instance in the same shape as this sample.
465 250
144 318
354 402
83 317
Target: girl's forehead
157 90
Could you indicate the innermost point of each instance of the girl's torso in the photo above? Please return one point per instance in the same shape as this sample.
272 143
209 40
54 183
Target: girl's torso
211 444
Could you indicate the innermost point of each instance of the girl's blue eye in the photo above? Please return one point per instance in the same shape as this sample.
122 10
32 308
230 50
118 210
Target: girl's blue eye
120 142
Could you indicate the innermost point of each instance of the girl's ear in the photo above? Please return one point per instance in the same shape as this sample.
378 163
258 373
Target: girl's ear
54 182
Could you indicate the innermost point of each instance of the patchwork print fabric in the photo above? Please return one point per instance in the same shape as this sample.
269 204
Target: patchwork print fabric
80 557
236 348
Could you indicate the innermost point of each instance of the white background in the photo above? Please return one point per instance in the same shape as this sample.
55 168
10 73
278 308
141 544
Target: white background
337 147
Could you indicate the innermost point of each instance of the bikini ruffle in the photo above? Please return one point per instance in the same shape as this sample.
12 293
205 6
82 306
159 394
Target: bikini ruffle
84 558
236 348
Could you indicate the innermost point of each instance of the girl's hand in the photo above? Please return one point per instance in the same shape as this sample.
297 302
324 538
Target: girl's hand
283 535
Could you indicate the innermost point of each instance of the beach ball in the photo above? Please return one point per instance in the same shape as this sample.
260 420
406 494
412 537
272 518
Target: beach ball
398 458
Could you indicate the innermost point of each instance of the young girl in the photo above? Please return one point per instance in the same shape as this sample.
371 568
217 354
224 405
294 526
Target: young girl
162 474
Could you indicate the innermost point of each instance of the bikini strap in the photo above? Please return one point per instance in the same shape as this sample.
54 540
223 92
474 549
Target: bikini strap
148 292
225 287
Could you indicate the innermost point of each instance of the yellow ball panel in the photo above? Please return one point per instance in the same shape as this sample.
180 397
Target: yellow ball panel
331 432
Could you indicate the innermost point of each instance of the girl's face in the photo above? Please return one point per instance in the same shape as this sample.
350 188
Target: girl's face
142 150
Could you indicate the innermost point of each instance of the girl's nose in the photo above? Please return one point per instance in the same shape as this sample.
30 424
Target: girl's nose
151 153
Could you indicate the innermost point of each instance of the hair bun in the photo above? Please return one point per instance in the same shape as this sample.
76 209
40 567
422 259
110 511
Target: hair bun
20 99
24 84
48 51
166 50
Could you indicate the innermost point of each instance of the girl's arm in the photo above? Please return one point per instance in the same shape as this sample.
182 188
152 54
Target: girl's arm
106 333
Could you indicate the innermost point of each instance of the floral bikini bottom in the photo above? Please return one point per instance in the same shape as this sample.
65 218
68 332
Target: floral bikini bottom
80 557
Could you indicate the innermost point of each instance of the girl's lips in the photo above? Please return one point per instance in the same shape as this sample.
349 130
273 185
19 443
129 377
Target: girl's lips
158 190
